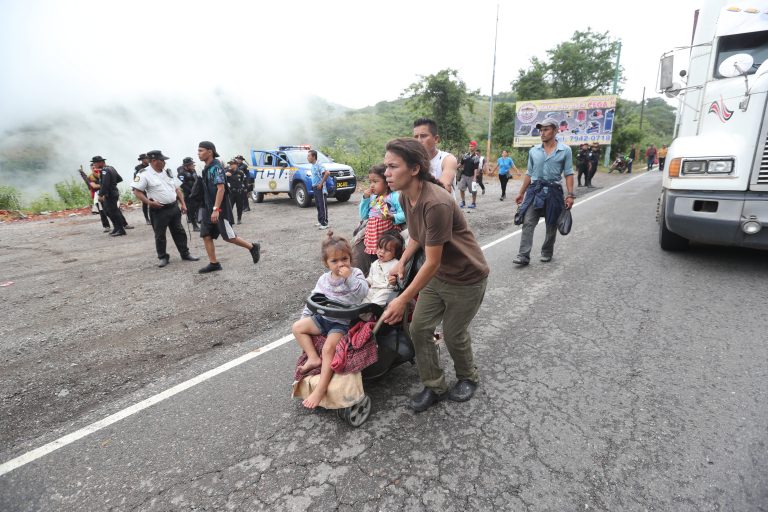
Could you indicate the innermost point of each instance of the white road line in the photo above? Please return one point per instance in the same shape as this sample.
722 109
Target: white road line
44 450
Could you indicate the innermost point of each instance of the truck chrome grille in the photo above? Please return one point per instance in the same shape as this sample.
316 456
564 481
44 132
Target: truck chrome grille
762 174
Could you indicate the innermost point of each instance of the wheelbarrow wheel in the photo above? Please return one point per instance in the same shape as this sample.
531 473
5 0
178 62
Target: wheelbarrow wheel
358 413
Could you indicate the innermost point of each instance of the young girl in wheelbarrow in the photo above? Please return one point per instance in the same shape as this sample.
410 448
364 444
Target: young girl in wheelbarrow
344 284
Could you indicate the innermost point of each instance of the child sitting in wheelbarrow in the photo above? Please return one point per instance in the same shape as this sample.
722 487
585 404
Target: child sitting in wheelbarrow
343 284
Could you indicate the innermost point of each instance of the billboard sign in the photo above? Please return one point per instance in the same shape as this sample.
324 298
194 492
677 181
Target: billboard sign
587 119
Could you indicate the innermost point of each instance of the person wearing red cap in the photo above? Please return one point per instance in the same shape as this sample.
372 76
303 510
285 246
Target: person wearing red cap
469 166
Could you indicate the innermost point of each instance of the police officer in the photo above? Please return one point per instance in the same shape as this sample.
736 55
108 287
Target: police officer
109 195
158 189
240 159
594 160
237 185
187 175
582 162
144 163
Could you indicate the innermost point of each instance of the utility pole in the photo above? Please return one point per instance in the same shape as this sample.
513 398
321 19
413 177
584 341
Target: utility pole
607 161
493 83
642 109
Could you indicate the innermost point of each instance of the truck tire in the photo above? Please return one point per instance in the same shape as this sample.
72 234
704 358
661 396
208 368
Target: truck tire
301 196
668 240
343 197
259 197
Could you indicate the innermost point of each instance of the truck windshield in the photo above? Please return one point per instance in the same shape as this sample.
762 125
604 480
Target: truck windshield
299 157
752 43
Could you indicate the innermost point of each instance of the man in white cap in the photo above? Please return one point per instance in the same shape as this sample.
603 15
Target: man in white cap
541 194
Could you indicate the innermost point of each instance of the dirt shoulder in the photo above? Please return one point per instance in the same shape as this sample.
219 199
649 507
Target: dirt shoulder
90 319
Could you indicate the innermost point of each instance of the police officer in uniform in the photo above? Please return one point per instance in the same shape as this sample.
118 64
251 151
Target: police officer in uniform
237 185
187 175
248 182
158 189
144 163
582 162
109 195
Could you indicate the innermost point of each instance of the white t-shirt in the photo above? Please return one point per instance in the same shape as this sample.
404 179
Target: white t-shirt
380 291
436 164
156 185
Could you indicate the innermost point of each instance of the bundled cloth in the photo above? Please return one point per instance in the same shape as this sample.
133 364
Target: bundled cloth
543 194
356 350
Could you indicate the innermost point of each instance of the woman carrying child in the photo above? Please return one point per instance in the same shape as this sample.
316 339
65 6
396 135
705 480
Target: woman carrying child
382 208
343 284
451 282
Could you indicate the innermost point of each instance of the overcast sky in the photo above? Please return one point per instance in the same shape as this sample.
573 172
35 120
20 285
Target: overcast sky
77 54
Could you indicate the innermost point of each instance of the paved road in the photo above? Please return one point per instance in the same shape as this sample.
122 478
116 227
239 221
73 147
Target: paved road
617 377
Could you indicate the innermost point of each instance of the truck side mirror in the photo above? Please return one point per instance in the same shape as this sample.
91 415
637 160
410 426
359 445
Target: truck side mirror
666 70
283 163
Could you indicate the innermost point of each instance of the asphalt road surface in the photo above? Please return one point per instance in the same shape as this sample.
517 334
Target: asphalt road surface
616 377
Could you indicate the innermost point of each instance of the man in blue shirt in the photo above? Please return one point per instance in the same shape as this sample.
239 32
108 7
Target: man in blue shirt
541 193
319 176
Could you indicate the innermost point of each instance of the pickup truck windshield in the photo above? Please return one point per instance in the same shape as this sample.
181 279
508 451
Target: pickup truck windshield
299 157
752 43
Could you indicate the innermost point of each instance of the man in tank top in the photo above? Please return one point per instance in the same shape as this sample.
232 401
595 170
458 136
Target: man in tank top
443 165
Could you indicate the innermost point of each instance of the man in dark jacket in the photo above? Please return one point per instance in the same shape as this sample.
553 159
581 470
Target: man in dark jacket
109 195
187 176
594 161
237 185
582 161
240 159
144 163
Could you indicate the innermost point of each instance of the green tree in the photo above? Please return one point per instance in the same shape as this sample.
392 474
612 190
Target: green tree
441 97
532 83
582 66
503 125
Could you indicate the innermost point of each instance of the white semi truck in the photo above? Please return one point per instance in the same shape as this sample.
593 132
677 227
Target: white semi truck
715 184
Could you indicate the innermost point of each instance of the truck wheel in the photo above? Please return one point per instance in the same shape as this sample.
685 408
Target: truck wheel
343 197
668 240
259 197
301 196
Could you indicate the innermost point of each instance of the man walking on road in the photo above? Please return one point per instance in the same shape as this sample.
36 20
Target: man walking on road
662 157
443 165
157 188
216 211
650 156
480 169
542 193
468 165
109 195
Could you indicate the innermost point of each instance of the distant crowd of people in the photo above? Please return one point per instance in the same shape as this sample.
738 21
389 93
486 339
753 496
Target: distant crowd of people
207 200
